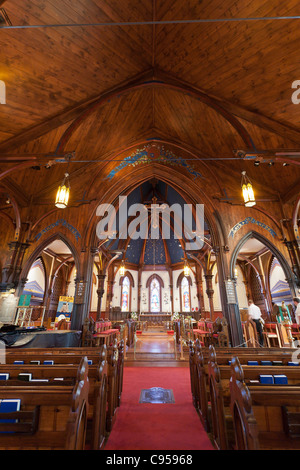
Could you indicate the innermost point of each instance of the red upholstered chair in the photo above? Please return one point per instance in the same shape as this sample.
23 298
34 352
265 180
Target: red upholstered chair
214 336
107 336
295 331
272 335
202 333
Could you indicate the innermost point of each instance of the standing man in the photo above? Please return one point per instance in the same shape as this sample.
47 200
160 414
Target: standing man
296 301
255 315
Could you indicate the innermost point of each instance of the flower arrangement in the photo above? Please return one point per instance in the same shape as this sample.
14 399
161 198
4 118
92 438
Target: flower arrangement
134 316
175 316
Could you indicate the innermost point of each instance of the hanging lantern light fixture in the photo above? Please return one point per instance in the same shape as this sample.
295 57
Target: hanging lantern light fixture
122 269
247 190
63 193
186 269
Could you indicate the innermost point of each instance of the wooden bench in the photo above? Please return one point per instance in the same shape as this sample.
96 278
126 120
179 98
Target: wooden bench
106 377
97 398
51 416
198 362
220 396
115 382
264 416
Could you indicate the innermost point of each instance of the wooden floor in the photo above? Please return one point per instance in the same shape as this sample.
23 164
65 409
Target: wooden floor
155 348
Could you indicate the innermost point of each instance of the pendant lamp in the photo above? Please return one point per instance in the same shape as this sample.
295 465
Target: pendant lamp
247 190
63 193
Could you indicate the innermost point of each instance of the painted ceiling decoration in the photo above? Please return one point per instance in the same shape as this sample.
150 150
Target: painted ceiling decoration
251 220
154 153
162 250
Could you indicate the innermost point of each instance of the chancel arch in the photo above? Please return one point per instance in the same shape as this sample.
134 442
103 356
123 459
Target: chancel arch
259 258
57 258
163 256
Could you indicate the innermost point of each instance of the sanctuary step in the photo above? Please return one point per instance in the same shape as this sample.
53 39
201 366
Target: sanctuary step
155 348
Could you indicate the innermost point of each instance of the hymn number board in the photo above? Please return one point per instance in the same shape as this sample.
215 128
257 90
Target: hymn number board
80 291
231 292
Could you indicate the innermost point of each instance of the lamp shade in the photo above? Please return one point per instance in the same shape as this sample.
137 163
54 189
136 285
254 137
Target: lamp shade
63 194
247 190
186 270
2 92
248 195
122 270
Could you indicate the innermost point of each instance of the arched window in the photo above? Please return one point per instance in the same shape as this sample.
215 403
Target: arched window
125 298
155 284
155 296
185 295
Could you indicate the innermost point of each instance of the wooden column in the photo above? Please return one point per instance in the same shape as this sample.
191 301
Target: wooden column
199 283
210 293
109 294
13 267
100 292
171 289
139 290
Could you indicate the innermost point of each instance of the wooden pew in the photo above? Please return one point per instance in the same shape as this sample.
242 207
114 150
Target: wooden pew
52 417
198 361
97 399
199 383
59 355
264 416
109 384
115 381
220 396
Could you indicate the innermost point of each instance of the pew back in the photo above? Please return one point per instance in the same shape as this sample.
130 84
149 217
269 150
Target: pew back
261 413
58 414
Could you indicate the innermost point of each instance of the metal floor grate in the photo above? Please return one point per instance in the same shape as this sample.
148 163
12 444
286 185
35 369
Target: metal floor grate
156 395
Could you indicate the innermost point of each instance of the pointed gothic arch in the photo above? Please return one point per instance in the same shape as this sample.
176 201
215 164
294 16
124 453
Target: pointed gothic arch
290 278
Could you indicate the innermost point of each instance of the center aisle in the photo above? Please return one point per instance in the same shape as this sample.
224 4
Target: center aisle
150 426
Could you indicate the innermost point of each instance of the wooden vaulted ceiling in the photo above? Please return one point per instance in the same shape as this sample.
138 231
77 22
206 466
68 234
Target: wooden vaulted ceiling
101 78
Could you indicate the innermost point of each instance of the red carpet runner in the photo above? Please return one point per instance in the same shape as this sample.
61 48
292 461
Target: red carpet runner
145 426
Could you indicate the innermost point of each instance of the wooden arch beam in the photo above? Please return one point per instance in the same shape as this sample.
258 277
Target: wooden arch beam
295 221
186 89
17 214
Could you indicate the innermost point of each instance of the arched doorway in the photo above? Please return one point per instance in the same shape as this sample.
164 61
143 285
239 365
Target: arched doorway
251 267
49 280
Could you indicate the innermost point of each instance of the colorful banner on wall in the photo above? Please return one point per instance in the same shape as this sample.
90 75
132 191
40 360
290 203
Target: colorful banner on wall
251 220
24 301
64 308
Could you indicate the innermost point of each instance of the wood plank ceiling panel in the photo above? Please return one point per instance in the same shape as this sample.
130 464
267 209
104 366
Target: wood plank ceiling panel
251 64
50 69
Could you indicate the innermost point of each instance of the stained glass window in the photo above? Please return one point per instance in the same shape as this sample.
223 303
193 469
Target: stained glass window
185 295
125 294
154 296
